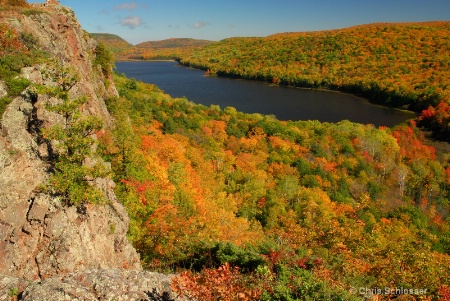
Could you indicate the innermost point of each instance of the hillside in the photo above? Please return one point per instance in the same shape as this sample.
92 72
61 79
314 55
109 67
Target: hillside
278 210
401 65
151 50
115 43
166 49
174 43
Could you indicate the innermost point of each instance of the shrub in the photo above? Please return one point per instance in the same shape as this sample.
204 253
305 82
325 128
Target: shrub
17 85
71 177
105 59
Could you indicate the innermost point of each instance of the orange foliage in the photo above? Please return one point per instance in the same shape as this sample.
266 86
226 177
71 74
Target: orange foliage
218 130
280 169
187 210
249 162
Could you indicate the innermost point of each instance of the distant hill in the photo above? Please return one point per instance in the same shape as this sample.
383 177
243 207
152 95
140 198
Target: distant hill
115 43
174 43
174 48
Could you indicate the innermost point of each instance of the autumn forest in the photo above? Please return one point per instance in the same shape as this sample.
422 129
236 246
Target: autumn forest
247 207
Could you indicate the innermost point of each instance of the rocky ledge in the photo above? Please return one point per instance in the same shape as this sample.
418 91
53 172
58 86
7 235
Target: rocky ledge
113 284
50 250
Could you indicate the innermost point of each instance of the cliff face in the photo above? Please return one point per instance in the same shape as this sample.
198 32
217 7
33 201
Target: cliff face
60 34
41 237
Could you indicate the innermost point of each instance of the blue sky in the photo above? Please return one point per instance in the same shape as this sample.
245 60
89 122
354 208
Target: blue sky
145 20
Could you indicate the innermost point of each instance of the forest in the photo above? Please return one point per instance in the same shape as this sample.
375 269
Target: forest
404 65
247 207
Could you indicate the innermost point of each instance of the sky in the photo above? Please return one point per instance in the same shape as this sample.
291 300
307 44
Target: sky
138 21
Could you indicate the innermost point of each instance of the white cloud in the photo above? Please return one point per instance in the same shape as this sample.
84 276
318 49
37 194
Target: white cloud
126 6
200 24
131 22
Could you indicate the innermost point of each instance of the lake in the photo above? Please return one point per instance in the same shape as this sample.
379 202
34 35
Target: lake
259 97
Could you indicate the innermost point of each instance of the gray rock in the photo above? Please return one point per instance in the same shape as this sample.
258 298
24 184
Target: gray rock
49 250
41 237
4 154
112 284
33 74
10 287
3 91
39 208
15 124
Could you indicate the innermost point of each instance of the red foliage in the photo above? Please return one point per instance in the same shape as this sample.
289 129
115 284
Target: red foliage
437 119
444 293
302 263
224 283
275 257
367 156
411 144
140 188
261 203
10 41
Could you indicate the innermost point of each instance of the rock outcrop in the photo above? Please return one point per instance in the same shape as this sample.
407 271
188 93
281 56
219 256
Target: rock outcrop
112 284
59 33
48 249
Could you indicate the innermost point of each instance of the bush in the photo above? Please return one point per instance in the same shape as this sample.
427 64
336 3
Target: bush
105 59
71 177
17 85
218 254
15 62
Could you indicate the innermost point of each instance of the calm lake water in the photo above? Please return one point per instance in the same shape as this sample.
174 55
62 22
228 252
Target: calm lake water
258 97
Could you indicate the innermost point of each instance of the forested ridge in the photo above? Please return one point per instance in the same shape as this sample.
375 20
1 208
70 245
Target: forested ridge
400 65
115 43
253 208
173 43
151 50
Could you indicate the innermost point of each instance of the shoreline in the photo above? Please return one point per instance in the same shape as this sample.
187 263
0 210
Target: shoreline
408 115
372 102
143 61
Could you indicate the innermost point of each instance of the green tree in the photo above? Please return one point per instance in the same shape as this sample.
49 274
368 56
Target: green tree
105 58
72 177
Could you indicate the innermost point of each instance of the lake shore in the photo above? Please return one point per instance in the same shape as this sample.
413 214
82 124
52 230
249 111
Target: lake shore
251 96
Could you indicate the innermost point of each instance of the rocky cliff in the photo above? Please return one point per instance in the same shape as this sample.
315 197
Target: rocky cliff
50 250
